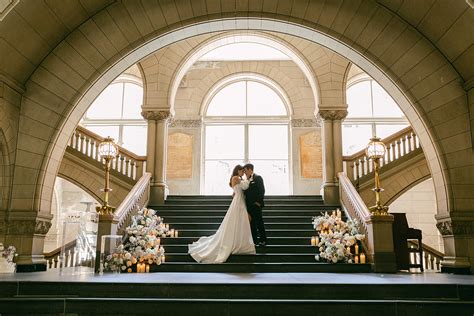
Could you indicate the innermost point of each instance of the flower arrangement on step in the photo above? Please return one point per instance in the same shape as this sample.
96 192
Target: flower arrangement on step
336 237
7 258
141 247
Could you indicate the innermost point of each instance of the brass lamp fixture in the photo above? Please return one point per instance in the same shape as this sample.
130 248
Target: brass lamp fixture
375 150
108 150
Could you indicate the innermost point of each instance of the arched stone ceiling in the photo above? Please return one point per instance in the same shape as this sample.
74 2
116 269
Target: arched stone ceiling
34 28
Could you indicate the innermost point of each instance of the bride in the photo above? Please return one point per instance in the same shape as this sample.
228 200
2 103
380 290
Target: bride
233 235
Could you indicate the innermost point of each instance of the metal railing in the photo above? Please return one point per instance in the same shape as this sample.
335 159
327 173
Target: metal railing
126 162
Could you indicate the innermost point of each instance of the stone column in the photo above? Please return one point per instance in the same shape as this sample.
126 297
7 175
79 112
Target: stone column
332 150
157 153
27 232
457 229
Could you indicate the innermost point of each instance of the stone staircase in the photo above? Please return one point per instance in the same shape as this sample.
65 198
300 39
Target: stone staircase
287 222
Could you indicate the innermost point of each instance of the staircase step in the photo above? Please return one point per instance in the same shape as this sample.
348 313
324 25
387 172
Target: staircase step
171 219
259 257
287 207
193 212
270 240
286 226
273 249
276 267
270 232
229 197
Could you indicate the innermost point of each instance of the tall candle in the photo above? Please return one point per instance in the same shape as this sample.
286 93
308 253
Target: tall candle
147 269
163 259
362 257
356 247
172 233
176 233
313 241
317 241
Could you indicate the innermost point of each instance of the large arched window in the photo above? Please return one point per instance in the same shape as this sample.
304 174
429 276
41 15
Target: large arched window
246 120
371 112
116 113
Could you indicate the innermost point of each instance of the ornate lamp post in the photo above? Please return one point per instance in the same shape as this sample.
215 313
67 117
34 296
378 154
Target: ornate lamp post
374 151
108 150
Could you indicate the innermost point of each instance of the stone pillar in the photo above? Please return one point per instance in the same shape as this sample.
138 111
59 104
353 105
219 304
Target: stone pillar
457 229
332 151
157 153
27 232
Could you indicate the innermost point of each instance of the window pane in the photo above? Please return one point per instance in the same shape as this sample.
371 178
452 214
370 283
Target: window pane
355 138
229 101
387 130
358 100
108 104
134 139
133 100
268 142
384 105
217 176
225 142
104 131
262 100
275 176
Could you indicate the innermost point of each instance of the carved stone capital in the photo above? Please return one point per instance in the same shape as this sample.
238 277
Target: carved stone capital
28 227
456 227
305 123
185 123
333 114
156 115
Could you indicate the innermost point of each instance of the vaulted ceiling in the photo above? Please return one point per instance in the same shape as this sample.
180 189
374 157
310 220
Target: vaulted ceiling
33 28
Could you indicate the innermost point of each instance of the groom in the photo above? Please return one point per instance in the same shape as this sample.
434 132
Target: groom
254 200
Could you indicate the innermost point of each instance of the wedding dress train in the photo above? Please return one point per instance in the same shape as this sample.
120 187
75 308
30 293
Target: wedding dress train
232 237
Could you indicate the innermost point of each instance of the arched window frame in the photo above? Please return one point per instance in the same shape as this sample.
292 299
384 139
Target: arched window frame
373 121
120 122
245 120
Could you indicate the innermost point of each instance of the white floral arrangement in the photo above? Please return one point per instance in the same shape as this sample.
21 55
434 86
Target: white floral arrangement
336 237
141 245
8 253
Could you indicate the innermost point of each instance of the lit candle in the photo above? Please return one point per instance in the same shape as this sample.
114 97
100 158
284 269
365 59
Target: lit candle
172 233
348 249
163 259
362 257
317 241
338 212
356 259
313 241
356 247
147 269
333 213
176 233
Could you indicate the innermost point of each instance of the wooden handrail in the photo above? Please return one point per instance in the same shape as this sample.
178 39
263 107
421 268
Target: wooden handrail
126 163
57 251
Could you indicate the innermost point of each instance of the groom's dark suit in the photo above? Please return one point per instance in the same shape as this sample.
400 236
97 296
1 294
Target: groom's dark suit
256 193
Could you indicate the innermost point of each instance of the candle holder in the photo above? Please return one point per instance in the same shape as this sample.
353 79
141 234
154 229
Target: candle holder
108 150
376 150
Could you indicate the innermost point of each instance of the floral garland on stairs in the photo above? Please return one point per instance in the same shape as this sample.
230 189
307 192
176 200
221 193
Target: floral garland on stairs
141 247
336 239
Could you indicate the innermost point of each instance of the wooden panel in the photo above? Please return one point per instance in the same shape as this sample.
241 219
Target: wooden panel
311 155
180 156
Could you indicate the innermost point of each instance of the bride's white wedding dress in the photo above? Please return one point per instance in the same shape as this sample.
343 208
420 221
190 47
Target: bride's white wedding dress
232 237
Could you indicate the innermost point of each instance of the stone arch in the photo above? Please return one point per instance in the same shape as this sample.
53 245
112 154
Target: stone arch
248 37
59 89
276 75
5 174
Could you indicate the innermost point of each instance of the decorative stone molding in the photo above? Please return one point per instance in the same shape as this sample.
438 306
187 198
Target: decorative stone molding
22 227
336 114
456 227
185 123
305 123
156 115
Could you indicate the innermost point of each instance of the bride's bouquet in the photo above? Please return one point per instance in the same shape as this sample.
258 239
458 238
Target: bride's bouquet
336 237
141 244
